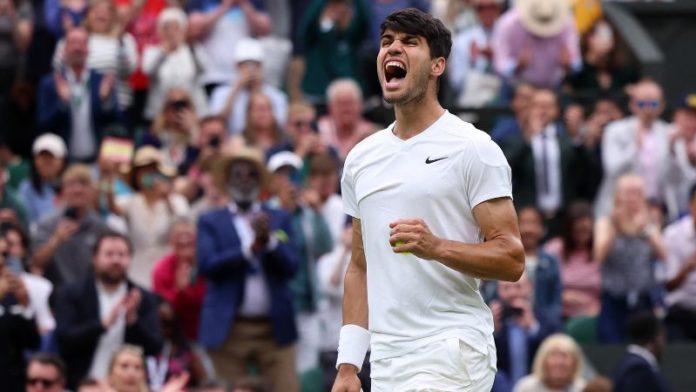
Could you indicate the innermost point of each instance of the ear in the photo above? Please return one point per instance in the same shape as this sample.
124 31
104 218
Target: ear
437 66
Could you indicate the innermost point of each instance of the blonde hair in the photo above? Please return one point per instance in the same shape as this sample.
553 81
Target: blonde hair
114 16
558 341
625 181
79 172
133 350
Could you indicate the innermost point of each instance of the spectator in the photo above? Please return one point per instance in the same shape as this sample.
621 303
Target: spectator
626 245
472 55
639 369
541 267
77 103
18 330
580 273
63 240
111 51
16 29
261 130
519 329
149 212
509 126
230 101
557 367
45 373
323 178
173 63
332 31
112 178
39 192
344 125
301 133
175 277
98 314
680 266
220 26
638 144
127 370
213 197
245 252
212 138
11 208
682 144
17 167
536 42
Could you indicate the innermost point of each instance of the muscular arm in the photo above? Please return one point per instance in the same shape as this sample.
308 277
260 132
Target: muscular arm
355 285
500 257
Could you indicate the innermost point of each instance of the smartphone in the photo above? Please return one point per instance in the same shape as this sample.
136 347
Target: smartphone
71 213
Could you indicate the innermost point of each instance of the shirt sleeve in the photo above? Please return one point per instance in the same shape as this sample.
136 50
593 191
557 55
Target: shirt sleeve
350 202
487 174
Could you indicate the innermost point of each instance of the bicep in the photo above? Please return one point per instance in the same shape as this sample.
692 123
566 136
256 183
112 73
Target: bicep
497 218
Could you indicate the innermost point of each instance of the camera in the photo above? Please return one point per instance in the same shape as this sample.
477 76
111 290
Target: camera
71 213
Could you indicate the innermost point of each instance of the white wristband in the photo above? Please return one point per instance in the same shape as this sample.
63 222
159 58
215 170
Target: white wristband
352 345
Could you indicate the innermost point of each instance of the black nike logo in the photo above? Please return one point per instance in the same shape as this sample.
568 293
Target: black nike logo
429 161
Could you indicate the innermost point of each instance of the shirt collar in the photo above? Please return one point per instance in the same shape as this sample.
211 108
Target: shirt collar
643 353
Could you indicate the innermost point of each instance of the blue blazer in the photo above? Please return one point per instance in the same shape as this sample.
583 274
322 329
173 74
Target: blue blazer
547 287
635 374
221 260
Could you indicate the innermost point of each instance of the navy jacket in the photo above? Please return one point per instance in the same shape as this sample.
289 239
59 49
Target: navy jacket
547 287
79 326
221 260
635 374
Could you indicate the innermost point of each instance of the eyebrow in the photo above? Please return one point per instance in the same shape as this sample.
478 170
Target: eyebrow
406 36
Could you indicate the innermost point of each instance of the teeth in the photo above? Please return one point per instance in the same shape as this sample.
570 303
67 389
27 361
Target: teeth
396 64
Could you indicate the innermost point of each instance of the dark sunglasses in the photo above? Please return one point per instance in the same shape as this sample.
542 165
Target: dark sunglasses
651 104
45 382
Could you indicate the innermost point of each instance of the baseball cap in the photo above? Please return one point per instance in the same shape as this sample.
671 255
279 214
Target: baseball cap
284 158
51 143
248 49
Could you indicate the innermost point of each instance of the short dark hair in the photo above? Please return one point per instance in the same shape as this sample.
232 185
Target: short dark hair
112 234
212 118
416 22
643 328
50 360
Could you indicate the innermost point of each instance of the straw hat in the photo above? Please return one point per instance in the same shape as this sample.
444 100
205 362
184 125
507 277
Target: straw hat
221 169
149 155
543 18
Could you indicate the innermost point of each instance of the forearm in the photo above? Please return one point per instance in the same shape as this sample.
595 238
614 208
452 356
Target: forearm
501 258
680 278
259 22
45 253
355 297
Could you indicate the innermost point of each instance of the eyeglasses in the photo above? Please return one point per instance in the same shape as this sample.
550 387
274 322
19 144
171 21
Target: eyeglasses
648 104
45 382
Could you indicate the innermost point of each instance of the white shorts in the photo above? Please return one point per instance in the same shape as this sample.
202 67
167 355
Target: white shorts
446 365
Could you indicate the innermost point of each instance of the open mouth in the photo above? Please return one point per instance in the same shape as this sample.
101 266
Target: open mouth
394 71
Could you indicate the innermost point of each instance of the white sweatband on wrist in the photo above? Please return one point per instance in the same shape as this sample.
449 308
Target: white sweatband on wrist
353 343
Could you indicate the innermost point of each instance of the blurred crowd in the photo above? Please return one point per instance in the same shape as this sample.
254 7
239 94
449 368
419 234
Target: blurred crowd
170 210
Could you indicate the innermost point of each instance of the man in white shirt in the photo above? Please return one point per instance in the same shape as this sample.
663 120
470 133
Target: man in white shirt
424 194
682 147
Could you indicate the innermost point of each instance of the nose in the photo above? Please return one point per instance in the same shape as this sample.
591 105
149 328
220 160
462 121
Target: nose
395 47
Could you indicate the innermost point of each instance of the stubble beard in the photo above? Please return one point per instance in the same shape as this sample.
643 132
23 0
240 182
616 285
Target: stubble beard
412 96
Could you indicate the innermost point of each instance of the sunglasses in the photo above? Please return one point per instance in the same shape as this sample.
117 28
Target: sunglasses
45 382
651 104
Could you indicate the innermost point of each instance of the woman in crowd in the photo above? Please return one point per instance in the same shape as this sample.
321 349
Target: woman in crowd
557 367
261 130
127 370
172 63
626 244
38 193
580 273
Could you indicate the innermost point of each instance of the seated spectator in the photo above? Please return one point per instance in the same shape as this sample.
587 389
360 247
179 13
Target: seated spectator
541 267
175 277
18 331
261 130
173 63
39 192
682 144
331 31
627 245
323 179
557 367
12 209
46 373
580 273
639 370
16 30
127 371
111 50
76 102
245 251
212 142
680 266
519 329
344 126
149 212
63 240
98 314
301 133
231 101
509 126
536 42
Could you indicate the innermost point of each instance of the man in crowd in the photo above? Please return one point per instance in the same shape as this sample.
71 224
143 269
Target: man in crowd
46 373
245 252
682 147
97 314
508 126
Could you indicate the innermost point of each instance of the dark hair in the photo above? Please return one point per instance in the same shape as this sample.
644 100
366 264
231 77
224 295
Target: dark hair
112 234
50 360
87 382
37 181
643 328
23 234
323 164
416 22
576 211
212 118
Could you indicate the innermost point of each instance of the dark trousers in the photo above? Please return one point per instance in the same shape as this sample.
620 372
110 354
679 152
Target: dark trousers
681 324
611 326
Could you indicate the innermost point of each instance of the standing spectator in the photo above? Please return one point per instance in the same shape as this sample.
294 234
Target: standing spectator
16 30
111 51
220 25
682 145
536 42
98 314
46 373
344 126
323 179
39 192
639 369
11 208
680 265
627 244
557 367
173 63
261 130
231 100
64 239
301 133
244 251
127 370
75 102
333 30
638 144
175 277
508 126
580 273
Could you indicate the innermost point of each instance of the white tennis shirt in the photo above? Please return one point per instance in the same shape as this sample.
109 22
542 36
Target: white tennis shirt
439 176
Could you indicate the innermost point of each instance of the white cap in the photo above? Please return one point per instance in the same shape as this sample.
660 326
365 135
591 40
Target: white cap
51 143
284 158
248 49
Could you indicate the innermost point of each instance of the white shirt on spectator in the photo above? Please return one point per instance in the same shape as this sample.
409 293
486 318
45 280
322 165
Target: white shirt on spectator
680 242
112 338
460 63
687 173
331 264
39 290
82 143
332 211
237 119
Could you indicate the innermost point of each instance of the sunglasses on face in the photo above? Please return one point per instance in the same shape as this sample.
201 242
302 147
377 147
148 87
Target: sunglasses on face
650 104
45 382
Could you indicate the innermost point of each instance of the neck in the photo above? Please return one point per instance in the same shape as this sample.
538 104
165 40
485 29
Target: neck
645 124
110 287
78 69
416 116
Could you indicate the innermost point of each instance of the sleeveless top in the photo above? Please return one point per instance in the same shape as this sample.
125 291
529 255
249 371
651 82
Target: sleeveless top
628 266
